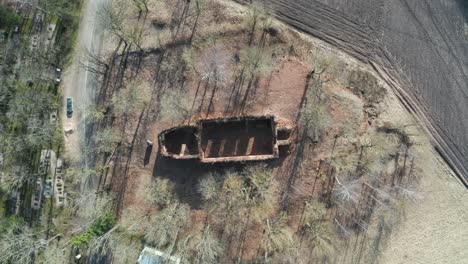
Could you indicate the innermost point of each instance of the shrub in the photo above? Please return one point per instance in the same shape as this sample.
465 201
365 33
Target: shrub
366 85
107 140
8 18
175 106
100 226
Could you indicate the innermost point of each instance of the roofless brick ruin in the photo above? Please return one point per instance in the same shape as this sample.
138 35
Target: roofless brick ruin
226 139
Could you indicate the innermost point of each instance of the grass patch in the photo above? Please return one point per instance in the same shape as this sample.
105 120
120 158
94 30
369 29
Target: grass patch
67 32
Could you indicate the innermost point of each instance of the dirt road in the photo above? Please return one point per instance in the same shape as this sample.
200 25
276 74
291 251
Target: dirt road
419 47
79 84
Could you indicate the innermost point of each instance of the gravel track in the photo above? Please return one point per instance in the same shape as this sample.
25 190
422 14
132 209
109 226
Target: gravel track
80 84
419 47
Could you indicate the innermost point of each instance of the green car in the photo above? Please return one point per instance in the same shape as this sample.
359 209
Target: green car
69 107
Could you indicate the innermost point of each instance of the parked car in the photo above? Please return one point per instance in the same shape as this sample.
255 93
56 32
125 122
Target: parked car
69 107
48 188
58 76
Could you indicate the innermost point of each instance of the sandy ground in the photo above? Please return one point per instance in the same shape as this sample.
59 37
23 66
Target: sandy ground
436 227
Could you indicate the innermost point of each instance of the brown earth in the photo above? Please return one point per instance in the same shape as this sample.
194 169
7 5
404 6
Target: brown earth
279 93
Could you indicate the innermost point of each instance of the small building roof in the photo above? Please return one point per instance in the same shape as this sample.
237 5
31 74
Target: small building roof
153 256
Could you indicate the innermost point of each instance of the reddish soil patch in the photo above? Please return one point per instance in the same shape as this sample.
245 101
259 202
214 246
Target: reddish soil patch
281 94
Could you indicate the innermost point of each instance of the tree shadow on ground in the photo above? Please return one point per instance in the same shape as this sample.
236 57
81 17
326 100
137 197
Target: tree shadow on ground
186 174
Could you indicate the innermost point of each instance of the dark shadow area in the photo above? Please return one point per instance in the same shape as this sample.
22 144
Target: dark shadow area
293 169
100 258
181 140
186 174
283 134
158 24
463 4
284 151
237 138
147 157
10 204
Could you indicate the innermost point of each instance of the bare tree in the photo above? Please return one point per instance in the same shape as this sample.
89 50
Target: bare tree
314 116
54 254
184 249
316 230
200 6
21 246
74 174
231 203
161 193
408 192
210 188
112 17
256 14
277 237
190 58
322 239
175 106
90 205
212 64
125 249
366 84
107 140
93 62
313 211
212 67
256 62
347 192
207 247
94 113
142 5
165 227
131 99
261 191
133 220
12 179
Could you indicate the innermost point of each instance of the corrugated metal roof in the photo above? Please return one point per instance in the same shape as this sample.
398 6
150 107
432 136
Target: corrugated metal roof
153 256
